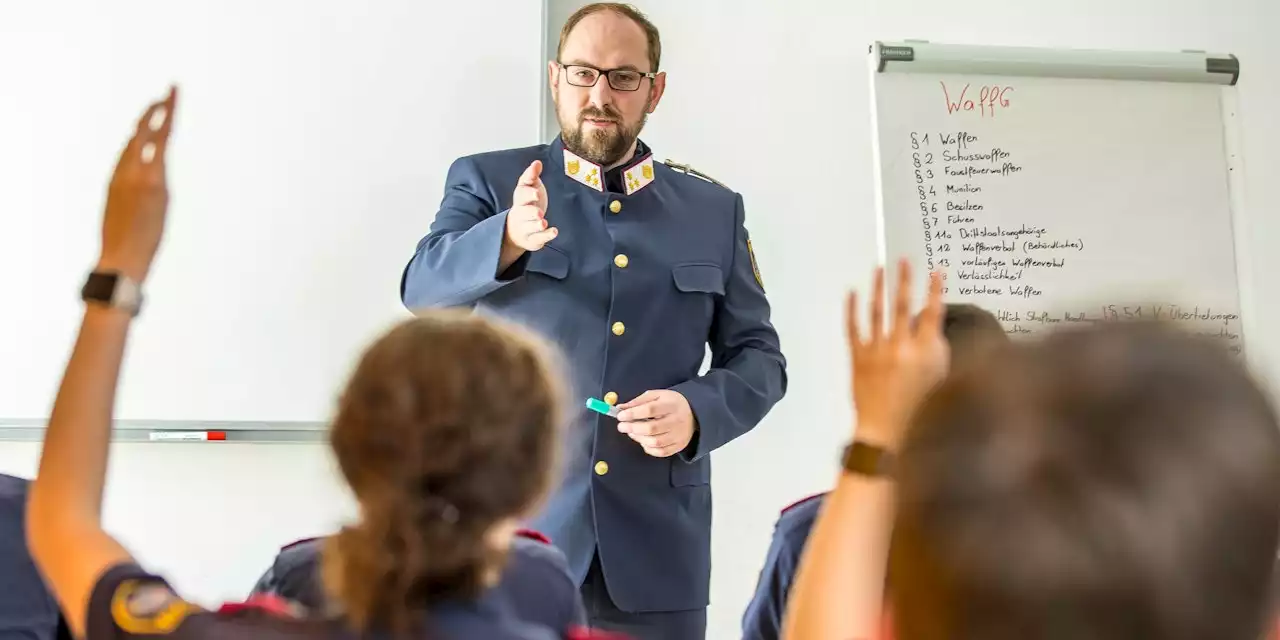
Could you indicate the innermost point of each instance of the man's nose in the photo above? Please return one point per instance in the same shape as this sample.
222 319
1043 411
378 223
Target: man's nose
601 94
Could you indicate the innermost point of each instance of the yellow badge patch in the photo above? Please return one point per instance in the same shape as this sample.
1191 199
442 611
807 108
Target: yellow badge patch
647 171
148 607
755 268
573 167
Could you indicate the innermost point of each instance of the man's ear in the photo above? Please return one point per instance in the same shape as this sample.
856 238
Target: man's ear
658 87
553 73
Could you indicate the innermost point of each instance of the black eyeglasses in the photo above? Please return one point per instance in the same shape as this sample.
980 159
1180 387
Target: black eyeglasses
581 75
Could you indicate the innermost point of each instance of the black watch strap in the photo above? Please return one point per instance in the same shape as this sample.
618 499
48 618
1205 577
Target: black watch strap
868 460
112 289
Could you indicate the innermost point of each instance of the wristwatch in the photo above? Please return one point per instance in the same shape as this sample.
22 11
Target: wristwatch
113 289
868 460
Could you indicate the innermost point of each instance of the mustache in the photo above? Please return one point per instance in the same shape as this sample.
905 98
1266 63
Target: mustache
593 113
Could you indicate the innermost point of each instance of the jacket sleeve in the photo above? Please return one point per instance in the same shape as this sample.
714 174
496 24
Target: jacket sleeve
456 264
748 373
762 619
269 582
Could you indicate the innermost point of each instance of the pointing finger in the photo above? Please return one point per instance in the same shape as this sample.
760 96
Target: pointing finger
852 330
531 175
877 305
902 300
141 136
931 318
162 135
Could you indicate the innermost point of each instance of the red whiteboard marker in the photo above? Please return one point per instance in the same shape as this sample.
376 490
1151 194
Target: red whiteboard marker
188 436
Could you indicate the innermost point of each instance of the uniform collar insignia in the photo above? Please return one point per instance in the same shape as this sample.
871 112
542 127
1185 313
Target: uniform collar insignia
639 175
583 171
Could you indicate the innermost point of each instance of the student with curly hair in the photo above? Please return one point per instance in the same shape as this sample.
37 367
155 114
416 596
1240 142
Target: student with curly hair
442 474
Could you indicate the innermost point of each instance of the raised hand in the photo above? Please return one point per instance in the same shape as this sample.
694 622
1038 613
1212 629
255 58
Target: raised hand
138 197
894 370
527 227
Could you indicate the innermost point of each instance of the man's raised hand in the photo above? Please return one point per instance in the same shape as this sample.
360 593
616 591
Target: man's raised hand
527 226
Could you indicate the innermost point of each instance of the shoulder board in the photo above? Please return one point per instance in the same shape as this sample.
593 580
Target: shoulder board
264 603
297 543
797 503
690 171
533 535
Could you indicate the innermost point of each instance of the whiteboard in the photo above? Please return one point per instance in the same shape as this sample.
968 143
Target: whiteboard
309 156
1056 201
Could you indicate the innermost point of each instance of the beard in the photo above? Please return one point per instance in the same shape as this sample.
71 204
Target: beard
604 146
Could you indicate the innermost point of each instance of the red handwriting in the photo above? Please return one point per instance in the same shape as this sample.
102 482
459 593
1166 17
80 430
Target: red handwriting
990 98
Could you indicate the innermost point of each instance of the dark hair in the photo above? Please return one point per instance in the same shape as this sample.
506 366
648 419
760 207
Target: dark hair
971 332
625 10
447 428
1117 482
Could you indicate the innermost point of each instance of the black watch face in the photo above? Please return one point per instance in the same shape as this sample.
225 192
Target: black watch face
99 287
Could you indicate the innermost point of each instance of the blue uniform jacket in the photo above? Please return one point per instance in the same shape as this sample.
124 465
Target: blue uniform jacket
535 586
129 602
640 280
763 618
28 610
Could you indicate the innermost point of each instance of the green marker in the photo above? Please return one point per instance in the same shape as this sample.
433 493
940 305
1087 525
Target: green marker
600 406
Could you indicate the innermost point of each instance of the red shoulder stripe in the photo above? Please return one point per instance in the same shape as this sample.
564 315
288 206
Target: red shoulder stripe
274 605
533 535
803 500
298 542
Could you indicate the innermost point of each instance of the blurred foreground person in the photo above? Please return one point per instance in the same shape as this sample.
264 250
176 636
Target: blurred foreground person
1116 482
416 437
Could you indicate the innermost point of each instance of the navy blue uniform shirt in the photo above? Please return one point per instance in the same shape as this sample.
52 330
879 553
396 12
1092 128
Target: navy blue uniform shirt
644 275
128 602
535 584
763 618
28 610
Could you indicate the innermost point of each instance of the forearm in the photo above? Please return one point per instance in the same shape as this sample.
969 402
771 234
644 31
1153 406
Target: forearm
458 266
508 256
65 509
839 586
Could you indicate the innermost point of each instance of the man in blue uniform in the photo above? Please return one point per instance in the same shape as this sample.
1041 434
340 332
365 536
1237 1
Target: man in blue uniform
535 585
27 609
970 331
633 267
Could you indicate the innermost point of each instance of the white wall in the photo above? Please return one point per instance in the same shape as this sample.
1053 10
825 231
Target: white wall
772 99
774 102
309 156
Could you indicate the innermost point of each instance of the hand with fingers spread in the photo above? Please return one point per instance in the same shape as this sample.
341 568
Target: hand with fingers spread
659 421
527 228
893 370
138 197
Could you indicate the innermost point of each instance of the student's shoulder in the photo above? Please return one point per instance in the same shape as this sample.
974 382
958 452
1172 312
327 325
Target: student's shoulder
533 552
13 490
800 515
130 602
304 550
